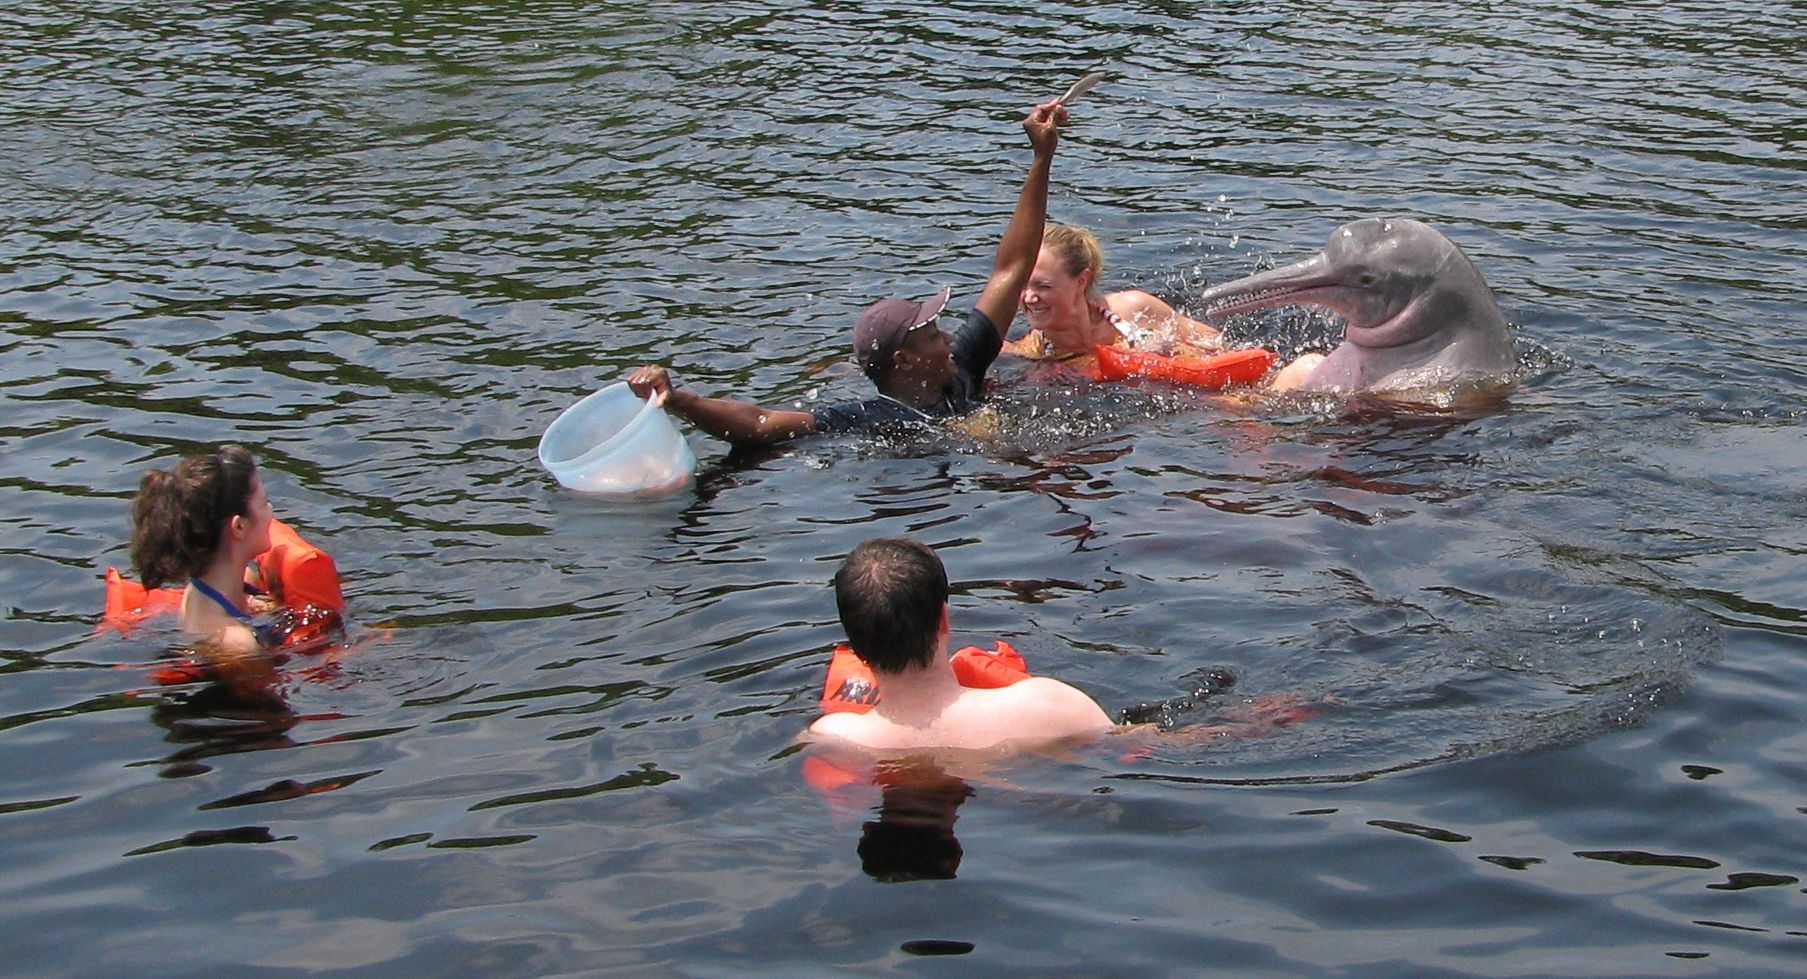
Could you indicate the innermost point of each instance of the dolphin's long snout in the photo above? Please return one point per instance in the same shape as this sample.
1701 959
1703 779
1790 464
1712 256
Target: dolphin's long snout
1288 284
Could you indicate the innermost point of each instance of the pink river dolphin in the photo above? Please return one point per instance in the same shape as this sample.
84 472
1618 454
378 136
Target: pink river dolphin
1418 313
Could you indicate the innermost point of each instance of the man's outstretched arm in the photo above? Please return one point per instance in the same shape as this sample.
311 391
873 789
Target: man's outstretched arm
741 423
1022 240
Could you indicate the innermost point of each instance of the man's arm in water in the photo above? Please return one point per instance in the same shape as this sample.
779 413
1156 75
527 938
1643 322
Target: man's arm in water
1022 240
1055 711
741 423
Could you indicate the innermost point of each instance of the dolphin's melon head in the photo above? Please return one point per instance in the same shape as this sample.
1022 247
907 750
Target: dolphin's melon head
1387 272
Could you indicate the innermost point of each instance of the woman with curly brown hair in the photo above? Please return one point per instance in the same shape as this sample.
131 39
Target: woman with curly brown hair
200 523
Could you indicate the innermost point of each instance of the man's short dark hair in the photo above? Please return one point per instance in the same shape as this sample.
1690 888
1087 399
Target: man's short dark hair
890 592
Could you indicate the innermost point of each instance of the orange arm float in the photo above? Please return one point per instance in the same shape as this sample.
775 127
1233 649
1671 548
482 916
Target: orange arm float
298 573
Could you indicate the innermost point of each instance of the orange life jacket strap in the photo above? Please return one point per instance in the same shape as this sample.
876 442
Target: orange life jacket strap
850 685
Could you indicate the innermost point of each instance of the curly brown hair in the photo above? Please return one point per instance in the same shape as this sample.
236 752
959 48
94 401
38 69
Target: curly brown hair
179 513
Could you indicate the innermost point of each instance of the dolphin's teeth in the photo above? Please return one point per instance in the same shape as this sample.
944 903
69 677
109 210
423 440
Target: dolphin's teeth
1253 298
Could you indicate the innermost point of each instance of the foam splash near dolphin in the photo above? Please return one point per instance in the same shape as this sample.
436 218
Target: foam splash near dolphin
1418 313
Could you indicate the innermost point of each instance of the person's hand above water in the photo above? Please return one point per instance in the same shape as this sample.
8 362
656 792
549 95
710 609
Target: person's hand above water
1022 239
1043 125
739 422
649 381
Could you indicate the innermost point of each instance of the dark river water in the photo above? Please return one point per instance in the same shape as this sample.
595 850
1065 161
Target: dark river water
1555 644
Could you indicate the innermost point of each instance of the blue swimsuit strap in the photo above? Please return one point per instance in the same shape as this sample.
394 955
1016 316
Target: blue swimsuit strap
225 603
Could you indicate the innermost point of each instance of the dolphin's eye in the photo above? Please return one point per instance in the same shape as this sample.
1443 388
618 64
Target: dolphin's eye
1366 279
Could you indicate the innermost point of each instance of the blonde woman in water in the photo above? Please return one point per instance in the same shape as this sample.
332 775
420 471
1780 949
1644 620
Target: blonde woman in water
1068 316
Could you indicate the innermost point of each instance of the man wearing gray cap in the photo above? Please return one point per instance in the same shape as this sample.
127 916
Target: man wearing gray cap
921 373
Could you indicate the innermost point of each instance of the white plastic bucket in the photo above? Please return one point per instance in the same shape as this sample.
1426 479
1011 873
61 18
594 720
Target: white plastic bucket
613 442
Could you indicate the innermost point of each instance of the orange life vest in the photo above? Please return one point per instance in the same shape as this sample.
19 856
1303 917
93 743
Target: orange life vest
296 573
129 603
1217 371
850 685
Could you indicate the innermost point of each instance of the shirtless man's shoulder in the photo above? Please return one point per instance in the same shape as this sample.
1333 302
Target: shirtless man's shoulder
839 724
1061 703
1031 710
